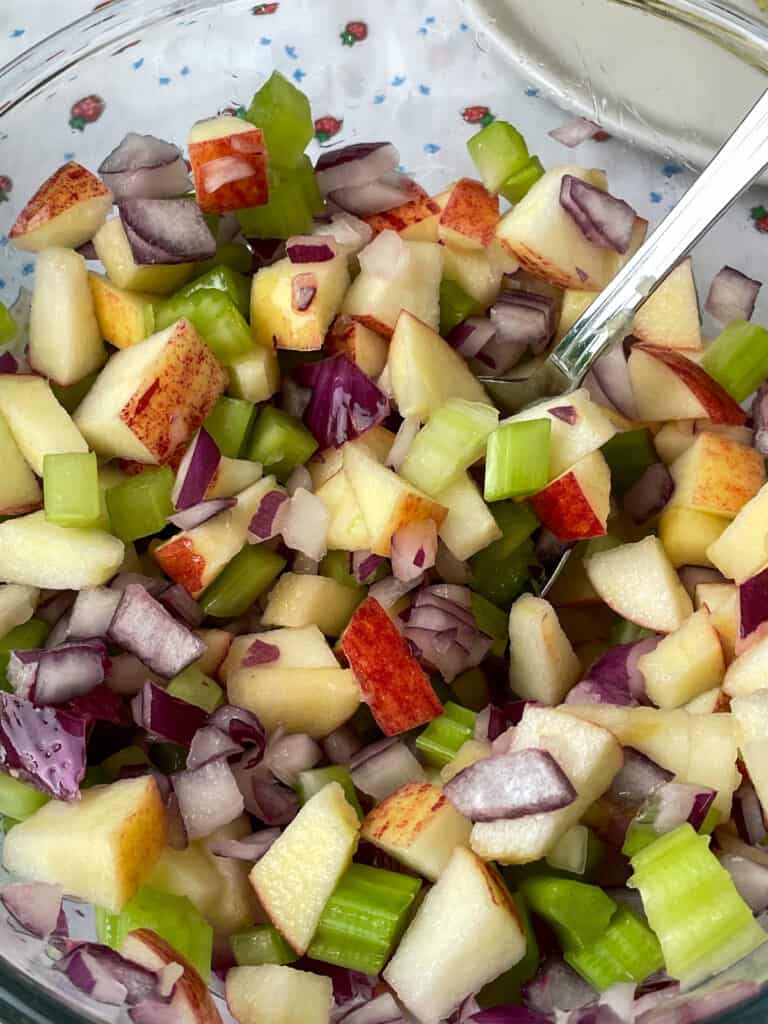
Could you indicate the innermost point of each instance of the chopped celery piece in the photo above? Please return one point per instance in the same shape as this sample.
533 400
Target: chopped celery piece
261 945
71 489
738 358
507 988
623 632
303 178
455 306
288 212
26 637
501 571
517 460
628 951
578 913
241 581
71 395
140 506
216 317
364 918
682 884
492 621
124 758
453 438
335 565
471 688
94 776
498 151
172 917
710 823
7 823
8 325
311 782
442 739
229 424
518 184
628 455
283 113
236 287
229 254
19 800
169 757
195 687
280 442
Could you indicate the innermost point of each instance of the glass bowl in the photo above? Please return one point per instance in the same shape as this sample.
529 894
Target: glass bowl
417 72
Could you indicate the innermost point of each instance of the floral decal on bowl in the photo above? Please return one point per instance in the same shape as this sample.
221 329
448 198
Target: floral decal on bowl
354 32
478 115
759 216
264 8
86 111
6 186
326 127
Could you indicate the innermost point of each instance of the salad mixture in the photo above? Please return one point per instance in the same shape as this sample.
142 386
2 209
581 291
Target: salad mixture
283 694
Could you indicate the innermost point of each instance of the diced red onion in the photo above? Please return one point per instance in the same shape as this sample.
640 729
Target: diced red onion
144 166
692 575
267 520
266 251
241 726
748 815
675 803
309 249
498 355
444 631
304 524
209 744
565 413
56 675
138 982
341 745
348 231
92 613
596 393
732 295
523 318
299 477
287 756
638 777
208 797
389 590
127 674
760 419
8 363
178 600
196 470
168 231
93 978
471 335
510 786
344 403
198 514
612 375
52 611
386 256
363 565
100 704
143 627
380 1010
750 879
250 848
575 131
35 905
303 291
753 603
265 797
381 768
385 193
450 568
602 219
592 691
293 398
414 547
648 495
557 987
43 746
166 716
153 1012
260 653
152 584
352 165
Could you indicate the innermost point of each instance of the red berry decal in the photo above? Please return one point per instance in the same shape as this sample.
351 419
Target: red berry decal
6 186
326 127
354 32
264 8
86 111
477 115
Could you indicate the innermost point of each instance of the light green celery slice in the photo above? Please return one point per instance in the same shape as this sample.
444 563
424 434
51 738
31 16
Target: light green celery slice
195 687
71 489
738 358
498 151
283 113
628 951
312 781
229 423
517 185
8 326
241 581
19 800
261 945
517 460
579 913
140 506
442 739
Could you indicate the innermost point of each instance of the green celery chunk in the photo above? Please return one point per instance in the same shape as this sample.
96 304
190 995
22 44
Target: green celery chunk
623 632
453 438
500 571
168 757
124 758
471 688
455 306
241 581
519 183
442 739
578 913
364 918
507 988
498 151
283 113
492 621
7 823
71 395
261 945
171 917
8 326
195 687
216 317
628 951
27 637
94 776
236 287
280 442
302 177
288 212
140 506
229 423
312 781
628 455
681 882
19 800
710 823
738 358
71 489
229 254
335 565
517 460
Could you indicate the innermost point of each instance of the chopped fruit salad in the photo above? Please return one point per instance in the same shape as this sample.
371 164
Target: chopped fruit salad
290 693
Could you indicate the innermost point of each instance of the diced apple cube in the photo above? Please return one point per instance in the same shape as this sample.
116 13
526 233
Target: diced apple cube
17 605
670 317
19 490
303 647
476 271
575 303
114 251
302 600
311 700
364 347
255 376
217 643
751 715
589 755
274 994
638 582
470 216
124 317
673 439
419 827
663 736
668 386
722 602
298 873
712 759
229 164
542 666
99 848
233 476
741 550
747 673
469 526
414 221
39 425
685 663
346 527
67 209
470 752
686 534
151 398
465 933
716 475
575 505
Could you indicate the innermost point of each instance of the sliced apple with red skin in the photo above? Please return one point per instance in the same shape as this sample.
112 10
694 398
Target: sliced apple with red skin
673 439
364 347
414 221
717 476
229 164
668 386
575 506
393 684
670 317
68 209
722 602
470 217
741 550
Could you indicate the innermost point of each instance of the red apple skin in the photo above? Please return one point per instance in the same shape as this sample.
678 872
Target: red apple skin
179 560
401 217
234 195
70 184
472 211
374 324
564 508
393 684
720 407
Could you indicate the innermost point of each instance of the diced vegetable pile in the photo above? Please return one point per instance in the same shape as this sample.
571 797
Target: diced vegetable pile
281 696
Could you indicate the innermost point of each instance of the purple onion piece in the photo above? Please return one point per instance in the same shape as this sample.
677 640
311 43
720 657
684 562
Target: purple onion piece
92 613
648 495
44 746
138 152
260 653
166 716
58 674
196 470
138 982
638 777
565 413
760 419
309 249
357 164
166 231
209 744
344 403
250 848
241 726
303 291
178 600
575 131
604 220
753 603
208 797
198 514
732 295
35 905
266 521
143 627
557 986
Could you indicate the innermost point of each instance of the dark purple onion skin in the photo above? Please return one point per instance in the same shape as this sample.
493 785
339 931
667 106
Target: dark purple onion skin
45 746
753 603
344 403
